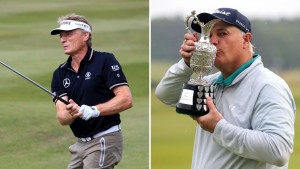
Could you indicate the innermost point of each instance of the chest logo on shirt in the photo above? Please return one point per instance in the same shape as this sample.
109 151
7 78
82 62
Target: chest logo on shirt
66 82
88 75
115 67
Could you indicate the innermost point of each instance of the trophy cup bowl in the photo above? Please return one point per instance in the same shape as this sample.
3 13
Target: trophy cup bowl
194 93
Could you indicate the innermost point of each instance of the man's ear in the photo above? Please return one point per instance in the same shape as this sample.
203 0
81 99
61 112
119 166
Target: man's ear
86 36
247 39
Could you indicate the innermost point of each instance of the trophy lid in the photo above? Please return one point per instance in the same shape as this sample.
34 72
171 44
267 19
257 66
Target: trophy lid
229 15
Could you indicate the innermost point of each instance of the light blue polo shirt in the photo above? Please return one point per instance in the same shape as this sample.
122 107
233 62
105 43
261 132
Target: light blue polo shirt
221 81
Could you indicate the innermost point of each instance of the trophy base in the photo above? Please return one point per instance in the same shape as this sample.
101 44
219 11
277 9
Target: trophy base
193 99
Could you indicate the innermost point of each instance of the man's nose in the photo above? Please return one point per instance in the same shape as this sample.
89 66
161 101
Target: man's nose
62 38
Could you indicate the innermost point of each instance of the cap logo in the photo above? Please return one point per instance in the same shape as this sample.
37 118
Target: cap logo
65 22
242 25
71 24
222 12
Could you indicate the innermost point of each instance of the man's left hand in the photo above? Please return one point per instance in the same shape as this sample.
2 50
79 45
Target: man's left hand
89 112
209 121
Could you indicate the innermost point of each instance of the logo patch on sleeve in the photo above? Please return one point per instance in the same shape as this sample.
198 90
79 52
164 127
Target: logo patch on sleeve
115 67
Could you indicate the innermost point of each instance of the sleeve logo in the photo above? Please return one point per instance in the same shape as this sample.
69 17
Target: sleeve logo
115 67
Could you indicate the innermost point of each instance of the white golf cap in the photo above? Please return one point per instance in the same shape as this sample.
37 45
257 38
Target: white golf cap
68 25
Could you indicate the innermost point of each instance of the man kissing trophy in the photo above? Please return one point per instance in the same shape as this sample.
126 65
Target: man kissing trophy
194 93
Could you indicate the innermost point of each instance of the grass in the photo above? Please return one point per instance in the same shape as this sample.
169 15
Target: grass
172 134
172 137
30 134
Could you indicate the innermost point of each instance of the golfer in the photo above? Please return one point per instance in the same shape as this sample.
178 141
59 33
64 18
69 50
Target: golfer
97 90
252 124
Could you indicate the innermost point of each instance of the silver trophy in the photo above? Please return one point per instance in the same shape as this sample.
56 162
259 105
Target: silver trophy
194 93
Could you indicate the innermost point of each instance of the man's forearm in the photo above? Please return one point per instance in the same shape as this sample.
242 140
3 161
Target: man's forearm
121 102
64 118
261 146
169 88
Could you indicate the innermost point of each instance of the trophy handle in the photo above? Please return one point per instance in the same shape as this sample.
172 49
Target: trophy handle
208 26
205 28
186 21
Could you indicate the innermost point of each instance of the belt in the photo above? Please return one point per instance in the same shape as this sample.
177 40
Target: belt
110 130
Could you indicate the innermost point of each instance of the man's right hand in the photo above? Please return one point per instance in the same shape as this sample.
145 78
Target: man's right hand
73 109
66 114
187 46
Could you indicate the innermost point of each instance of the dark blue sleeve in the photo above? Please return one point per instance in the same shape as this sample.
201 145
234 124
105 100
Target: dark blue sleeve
57 86
113 73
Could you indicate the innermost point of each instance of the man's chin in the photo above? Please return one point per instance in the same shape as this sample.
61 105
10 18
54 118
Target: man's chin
67 52
217 63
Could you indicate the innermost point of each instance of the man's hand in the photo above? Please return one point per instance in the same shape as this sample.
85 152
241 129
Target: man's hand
209 121
88 112
73 109
188 46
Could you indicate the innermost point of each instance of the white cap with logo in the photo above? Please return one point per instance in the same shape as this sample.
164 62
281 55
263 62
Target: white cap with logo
68 25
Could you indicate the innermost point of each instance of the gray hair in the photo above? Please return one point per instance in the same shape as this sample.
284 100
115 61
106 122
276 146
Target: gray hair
251 48
75 17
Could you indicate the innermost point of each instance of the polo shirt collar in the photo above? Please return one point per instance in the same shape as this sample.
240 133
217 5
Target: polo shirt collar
88 56
221 81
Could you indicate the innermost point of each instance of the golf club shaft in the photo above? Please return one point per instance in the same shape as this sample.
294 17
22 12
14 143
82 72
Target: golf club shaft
43 88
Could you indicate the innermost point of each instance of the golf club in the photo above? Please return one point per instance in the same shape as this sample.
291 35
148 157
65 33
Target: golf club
43 88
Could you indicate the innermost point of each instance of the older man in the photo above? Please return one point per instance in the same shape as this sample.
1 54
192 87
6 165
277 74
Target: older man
95 86
252 124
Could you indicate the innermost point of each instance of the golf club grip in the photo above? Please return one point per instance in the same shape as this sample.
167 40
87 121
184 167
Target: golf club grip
62 100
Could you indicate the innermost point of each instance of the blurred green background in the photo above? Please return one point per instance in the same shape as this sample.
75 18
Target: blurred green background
172 134
30 135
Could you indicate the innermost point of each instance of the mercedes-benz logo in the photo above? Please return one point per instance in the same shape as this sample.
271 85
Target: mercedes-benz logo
66 82
88 74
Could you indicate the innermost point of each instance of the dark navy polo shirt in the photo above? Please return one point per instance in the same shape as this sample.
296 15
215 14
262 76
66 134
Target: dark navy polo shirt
98 74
